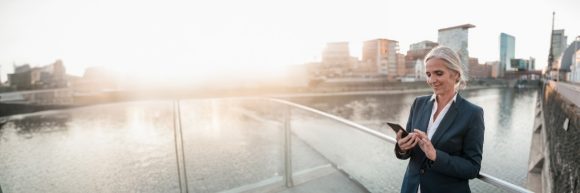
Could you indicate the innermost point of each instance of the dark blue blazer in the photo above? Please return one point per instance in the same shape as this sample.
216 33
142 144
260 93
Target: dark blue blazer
459 144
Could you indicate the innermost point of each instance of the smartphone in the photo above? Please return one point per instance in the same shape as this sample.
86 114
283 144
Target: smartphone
397 127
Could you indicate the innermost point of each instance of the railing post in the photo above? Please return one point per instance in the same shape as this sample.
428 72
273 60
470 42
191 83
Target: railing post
287 148
179 153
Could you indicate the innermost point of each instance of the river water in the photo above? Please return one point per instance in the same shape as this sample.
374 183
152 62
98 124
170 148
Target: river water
129 147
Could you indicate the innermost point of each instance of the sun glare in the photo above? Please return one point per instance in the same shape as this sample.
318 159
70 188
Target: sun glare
140 128
238 56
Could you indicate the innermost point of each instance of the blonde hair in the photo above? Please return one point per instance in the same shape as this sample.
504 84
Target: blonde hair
452 61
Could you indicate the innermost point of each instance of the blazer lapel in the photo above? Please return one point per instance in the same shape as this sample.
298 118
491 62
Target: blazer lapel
447 120
425 116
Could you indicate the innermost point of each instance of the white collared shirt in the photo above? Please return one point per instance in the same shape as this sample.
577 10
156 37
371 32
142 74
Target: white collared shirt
433 124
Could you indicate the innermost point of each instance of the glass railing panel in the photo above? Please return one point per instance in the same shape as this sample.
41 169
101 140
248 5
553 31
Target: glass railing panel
125 147
228 147
304 157
308 169
306 160
366 159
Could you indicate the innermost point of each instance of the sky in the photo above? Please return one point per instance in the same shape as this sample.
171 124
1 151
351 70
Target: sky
197 40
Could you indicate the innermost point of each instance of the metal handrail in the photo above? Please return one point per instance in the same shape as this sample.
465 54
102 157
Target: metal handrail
482 176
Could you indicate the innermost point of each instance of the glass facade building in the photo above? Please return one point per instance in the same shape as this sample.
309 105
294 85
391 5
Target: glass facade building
507 51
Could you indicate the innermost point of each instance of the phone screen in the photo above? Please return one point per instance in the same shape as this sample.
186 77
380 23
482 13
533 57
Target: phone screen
396 128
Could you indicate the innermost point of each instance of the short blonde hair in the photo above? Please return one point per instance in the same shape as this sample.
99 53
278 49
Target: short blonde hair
452 61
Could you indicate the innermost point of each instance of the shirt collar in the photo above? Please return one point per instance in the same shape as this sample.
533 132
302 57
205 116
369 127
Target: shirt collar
435 96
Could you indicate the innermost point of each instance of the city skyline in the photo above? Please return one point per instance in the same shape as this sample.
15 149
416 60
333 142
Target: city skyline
194 41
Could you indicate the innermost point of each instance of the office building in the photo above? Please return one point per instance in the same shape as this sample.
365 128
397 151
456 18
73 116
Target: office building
456 38
507 47
379 58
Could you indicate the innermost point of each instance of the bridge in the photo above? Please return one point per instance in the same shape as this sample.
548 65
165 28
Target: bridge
554 163
272 145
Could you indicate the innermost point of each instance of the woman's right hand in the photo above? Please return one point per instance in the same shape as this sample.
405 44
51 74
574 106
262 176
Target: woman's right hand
406 143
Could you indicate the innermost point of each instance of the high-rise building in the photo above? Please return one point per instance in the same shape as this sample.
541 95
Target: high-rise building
559 43
456 38
380 57
415 56
507 51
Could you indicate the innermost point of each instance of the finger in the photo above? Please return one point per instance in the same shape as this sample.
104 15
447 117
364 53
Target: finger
415 143
406 138
403 140
399 134
425 145
403 143
427 142
414 139
421 144
420 133
407 142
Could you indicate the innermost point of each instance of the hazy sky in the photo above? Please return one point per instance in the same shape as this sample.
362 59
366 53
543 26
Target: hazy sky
195 39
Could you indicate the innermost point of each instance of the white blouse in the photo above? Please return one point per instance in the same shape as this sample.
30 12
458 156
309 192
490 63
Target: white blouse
433 124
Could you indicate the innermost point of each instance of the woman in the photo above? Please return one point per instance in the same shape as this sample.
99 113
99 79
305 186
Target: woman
445 141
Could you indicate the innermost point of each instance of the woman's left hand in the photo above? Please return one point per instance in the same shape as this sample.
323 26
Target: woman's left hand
426 145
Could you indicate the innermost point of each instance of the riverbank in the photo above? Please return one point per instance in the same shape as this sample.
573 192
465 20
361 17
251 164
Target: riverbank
373 92
327 89
334 89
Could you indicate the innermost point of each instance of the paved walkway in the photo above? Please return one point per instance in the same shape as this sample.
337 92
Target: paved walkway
570 91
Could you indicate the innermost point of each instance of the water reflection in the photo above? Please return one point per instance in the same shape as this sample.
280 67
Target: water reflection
28 126
369 110
506 104
108 148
